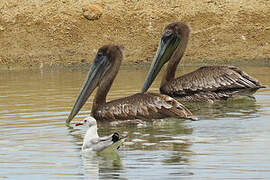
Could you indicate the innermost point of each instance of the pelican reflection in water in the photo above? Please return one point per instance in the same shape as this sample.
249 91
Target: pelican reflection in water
206 84
144 106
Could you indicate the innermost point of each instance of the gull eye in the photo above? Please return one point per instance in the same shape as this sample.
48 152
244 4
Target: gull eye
85 121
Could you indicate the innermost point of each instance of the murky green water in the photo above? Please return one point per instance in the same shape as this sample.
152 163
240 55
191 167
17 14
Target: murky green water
231 140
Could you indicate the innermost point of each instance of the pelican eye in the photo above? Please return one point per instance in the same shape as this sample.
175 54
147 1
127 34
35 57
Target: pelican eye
99 54
166 36
167 32
98 58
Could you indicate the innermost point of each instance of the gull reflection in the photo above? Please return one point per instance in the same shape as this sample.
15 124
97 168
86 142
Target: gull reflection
101 164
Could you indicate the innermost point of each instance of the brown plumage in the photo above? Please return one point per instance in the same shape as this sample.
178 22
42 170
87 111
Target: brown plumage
208 83
145 106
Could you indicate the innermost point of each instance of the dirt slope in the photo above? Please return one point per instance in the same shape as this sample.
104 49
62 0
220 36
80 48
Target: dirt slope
71 31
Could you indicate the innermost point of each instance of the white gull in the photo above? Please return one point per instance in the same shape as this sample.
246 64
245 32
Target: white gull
93 142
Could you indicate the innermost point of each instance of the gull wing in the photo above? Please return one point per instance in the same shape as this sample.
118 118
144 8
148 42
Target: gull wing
101 143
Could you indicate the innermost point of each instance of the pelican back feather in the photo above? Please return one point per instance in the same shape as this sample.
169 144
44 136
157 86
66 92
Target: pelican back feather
210 83
146 106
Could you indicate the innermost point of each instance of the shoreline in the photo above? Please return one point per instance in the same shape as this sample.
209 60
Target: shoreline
144 65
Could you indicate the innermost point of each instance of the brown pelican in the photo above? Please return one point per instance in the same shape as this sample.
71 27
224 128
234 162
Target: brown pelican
208 83
138 106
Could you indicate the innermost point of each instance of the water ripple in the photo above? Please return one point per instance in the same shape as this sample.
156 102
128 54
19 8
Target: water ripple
231 140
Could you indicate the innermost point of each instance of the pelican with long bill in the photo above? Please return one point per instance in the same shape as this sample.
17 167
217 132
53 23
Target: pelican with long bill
145 106
206 84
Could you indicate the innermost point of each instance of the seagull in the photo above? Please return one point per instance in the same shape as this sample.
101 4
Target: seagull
92 141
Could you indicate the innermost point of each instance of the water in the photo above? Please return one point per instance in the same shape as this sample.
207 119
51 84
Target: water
231 140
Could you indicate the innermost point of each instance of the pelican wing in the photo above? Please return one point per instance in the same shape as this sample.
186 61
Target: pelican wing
210 81
145 106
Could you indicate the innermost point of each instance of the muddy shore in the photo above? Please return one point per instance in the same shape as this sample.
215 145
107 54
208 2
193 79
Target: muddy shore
67 32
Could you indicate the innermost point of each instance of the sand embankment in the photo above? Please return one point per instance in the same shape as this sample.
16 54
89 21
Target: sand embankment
71 31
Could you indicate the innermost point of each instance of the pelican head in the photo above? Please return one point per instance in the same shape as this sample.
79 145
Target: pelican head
102 65
171 45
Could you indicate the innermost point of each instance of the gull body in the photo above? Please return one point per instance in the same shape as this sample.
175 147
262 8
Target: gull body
92 141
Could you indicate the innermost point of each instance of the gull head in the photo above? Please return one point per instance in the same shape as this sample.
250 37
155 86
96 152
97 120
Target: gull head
88 121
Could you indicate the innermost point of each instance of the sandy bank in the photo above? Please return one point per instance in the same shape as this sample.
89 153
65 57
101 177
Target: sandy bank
71 31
